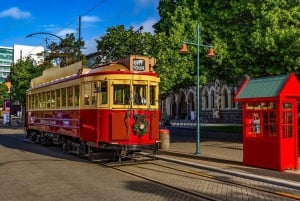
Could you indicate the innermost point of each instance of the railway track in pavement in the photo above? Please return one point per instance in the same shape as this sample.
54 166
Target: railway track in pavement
203 184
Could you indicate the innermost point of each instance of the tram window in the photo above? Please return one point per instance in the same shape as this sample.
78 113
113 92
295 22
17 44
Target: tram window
36 101
70 96
103 92
76 98
52 99
139 94
44 100
63 97
48 99
30 101
94 94
152 95
57 98
121 94
87 93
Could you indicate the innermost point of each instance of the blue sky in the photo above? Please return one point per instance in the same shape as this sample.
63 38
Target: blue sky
19 18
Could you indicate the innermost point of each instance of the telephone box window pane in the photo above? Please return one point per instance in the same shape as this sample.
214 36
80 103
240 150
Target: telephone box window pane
287 131
287 118
287 105
272 105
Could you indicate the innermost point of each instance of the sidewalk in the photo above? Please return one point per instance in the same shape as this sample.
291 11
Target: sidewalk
226 156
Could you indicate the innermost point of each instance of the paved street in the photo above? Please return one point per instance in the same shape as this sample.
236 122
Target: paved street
30 172
35 172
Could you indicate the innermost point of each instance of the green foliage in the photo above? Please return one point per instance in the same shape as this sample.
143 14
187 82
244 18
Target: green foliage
119 42
66 52
257 38
22 73
3 93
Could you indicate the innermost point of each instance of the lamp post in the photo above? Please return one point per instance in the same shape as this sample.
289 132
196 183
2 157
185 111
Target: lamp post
211 53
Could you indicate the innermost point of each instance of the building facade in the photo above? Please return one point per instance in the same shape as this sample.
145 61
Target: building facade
10 55
22 52
216 101
6 61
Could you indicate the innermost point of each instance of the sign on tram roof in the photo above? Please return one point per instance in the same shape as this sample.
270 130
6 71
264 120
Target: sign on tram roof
269 87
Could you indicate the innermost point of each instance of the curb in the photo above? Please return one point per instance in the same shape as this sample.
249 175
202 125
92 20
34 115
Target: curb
265 179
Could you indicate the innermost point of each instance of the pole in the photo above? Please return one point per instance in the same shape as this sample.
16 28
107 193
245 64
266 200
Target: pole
198 92
184 51
79 37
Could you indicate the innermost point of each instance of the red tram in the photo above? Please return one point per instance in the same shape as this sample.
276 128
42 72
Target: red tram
87 110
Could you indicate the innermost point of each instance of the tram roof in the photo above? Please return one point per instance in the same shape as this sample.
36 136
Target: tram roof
56 73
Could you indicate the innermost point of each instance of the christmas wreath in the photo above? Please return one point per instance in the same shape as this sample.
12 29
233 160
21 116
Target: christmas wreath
140 126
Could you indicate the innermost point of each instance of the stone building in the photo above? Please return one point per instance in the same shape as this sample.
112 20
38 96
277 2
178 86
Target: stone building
216 101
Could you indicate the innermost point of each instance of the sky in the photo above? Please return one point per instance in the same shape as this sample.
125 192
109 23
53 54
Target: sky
20 18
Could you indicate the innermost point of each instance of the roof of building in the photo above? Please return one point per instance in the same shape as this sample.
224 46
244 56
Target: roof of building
263 87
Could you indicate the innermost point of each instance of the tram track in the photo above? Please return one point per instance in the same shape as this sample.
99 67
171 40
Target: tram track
191 194
148 169
145 163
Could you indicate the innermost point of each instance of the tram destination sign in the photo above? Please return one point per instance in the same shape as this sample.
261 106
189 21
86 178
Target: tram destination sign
138 64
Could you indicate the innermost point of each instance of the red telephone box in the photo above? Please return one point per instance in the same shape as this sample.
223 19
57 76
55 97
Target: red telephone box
270 121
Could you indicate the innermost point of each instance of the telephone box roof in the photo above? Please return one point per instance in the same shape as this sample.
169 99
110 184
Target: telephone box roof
269 87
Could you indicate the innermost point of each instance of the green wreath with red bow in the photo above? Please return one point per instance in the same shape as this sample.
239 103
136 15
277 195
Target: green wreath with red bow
141 126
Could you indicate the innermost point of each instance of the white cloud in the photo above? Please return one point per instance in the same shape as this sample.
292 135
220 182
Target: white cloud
15 13
63 32
90 19
90 46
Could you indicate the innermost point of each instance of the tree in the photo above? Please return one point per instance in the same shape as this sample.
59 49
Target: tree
177 24
21 74
119 43
257 38
3 93
66 52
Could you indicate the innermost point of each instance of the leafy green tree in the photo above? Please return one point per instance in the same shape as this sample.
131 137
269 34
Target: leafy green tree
21 74
177 24
3 93
257 38
119 42
65 52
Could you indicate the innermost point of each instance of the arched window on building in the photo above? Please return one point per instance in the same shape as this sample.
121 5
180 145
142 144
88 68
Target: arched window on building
182 106
212 98
205 101
233 91
225 101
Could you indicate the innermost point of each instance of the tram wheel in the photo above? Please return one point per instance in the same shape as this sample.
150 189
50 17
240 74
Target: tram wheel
82 153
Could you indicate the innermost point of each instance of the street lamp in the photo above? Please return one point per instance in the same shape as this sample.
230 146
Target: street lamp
211 53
